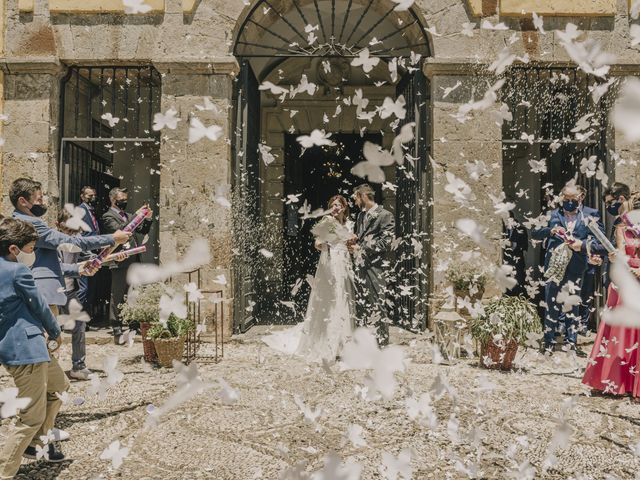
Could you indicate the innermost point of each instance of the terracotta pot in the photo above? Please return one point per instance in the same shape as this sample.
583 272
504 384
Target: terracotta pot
501 356
148 348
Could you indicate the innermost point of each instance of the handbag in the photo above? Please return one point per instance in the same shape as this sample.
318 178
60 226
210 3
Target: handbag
558 263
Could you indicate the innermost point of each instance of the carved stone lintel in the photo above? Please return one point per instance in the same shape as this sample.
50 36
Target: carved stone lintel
217 65
45 65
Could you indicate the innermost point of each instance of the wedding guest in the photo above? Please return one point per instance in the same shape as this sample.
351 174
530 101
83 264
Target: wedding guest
614 361
112 220
589 281
27 198
614 196
570 220
87 285
79 370
24 319
518 243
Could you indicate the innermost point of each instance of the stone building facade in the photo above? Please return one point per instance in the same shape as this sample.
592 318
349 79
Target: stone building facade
49 49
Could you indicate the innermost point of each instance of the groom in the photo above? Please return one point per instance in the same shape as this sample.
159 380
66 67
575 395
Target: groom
374 231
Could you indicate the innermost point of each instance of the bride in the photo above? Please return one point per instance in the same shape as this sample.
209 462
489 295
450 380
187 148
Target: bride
329 320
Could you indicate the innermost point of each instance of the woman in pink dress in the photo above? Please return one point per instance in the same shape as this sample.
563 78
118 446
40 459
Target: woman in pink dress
614 362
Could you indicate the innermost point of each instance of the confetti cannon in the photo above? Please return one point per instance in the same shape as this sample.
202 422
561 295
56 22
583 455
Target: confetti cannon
137 220
132 251
592 223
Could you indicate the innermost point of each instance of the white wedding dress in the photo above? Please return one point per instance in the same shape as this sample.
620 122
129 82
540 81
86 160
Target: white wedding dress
330 317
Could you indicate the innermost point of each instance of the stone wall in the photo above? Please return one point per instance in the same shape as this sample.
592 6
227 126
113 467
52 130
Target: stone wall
192 173
191 47
31 103
453 146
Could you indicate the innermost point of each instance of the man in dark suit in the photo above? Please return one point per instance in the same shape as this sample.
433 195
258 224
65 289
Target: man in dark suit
375 228
87 285
571 219
115 219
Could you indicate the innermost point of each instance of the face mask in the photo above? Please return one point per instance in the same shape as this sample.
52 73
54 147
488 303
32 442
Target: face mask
92 202
38 210
569 205
121 204
25 258
614 208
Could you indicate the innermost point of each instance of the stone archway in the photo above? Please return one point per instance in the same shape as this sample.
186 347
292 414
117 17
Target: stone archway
270 45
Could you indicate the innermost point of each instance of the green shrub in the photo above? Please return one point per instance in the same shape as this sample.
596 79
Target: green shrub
176 327
465 275
511 317
144 306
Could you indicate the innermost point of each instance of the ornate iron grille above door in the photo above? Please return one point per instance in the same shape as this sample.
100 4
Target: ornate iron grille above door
329 28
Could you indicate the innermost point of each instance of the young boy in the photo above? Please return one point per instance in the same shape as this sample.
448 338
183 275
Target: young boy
68 254
24 319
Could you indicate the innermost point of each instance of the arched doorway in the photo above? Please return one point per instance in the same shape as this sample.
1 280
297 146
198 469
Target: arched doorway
281 47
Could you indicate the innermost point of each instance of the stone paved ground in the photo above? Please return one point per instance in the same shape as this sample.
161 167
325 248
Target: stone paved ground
264 432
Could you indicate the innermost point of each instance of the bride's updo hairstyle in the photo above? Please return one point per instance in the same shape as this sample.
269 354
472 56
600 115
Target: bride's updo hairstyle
343 201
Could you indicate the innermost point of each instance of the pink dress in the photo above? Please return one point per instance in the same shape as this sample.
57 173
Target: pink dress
615 359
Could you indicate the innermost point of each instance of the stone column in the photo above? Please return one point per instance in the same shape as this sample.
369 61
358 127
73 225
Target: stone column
191 173
31 102
453 145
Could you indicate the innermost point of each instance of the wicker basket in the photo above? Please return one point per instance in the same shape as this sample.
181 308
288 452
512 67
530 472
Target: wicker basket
495 353
147 344
169 349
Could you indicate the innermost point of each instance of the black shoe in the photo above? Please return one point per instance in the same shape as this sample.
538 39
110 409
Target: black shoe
30 453
546 350
55 454
578 351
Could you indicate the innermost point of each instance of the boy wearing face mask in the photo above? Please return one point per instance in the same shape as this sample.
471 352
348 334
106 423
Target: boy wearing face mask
27 198
569 220
24 319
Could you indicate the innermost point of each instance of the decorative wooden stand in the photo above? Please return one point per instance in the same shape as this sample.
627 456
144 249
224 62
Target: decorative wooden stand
449 328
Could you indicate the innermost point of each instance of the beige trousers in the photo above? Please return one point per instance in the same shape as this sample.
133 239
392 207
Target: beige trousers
39 382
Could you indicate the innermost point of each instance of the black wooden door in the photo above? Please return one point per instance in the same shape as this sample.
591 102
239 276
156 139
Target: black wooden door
412 267
246 191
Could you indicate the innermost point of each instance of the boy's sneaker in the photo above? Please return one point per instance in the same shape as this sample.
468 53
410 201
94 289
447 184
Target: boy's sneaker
30 453
55 454
80 374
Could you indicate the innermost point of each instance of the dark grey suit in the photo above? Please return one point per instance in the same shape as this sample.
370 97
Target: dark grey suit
110 222
375 233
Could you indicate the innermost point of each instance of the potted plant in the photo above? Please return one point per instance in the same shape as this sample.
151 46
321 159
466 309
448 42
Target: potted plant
142 310
504 325
169 339
468 280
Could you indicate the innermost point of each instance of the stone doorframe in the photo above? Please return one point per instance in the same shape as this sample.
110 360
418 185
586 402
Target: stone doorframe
275 124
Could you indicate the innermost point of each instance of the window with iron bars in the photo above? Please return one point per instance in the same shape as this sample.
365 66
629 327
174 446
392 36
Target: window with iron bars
556 119
105 110
547 104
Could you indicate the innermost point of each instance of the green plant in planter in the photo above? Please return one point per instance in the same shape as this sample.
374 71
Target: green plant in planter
176 327
464 275
510 317
144 307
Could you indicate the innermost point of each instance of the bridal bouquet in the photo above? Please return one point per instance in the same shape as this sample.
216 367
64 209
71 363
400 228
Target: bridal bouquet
331 231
